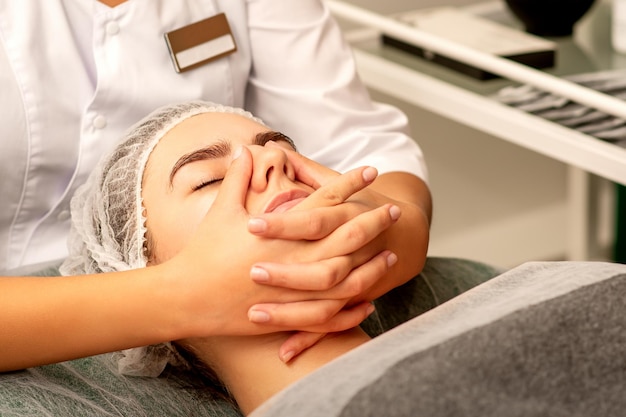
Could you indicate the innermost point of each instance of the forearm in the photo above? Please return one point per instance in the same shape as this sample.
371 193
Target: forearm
408 237
53 319
47 320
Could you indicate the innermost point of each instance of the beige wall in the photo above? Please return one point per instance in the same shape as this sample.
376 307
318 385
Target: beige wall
493 201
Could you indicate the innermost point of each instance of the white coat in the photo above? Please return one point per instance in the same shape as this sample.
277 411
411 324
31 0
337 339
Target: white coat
75 74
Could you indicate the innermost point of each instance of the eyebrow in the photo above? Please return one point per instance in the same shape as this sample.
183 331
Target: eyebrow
217 150
223 148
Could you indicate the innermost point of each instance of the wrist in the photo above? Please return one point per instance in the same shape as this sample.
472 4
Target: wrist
199 302
174 304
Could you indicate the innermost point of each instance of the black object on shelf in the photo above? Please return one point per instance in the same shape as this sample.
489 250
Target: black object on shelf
537 59
549 17
475 32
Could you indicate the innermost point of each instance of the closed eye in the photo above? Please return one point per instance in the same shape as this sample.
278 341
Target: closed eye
204 184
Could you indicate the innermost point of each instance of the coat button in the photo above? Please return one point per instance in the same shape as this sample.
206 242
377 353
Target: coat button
112 28
99 122
63 215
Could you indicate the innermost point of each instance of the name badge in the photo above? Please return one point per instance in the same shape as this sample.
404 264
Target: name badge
201 42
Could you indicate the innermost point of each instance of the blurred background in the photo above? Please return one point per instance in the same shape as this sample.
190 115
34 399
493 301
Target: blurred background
495 201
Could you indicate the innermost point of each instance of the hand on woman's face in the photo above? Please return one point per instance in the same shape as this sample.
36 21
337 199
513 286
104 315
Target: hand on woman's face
184 172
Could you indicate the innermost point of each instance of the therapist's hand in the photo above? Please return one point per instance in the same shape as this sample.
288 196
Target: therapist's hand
328 208
208 282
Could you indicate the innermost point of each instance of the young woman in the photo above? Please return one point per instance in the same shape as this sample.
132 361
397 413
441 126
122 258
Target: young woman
498 349
145 202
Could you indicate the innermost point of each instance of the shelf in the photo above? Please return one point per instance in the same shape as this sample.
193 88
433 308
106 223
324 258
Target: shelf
467 101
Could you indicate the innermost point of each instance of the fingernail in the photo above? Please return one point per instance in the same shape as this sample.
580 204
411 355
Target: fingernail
259 274
392 258
237 152
286 357
258 316
394 212
370 309
256 225
370 174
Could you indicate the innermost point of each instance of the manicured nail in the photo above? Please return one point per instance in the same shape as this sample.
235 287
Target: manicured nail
394 212
259 274
258 316
256 225
370 174
392 258
237 152
286 357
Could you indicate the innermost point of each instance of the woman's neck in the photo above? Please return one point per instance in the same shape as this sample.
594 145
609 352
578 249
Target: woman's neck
250 367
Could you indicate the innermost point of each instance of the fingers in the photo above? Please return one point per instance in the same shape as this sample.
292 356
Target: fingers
315 276
300 225
320 316
324 275
307 170
356 233
297 344
338 223
338 255
339 188
306 313
312 218
235 184
364 277
317 175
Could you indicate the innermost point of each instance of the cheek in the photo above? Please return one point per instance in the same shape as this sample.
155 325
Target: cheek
173 226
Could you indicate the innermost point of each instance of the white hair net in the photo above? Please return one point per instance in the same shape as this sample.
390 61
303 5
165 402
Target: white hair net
108 224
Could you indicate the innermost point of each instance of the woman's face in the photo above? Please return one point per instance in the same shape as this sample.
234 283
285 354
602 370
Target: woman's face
184 172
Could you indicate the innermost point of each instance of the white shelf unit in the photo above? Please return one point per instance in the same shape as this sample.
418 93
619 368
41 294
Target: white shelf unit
582 153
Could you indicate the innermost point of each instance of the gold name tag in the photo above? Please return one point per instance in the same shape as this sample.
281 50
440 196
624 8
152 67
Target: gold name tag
201 42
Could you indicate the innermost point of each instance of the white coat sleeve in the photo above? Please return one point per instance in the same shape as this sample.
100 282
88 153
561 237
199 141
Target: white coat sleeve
304 83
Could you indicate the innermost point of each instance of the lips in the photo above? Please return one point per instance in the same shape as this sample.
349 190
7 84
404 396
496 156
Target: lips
284 201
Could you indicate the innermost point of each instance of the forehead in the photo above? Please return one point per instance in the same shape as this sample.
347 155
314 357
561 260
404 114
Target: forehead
207 128
200 131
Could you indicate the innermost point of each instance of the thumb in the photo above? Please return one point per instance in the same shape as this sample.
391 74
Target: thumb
237 179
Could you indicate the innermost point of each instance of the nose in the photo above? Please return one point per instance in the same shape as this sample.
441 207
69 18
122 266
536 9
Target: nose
269 163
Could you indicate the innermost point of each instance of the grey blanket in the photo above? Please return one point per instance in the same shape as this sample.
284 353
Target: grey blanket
544 339
91 386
